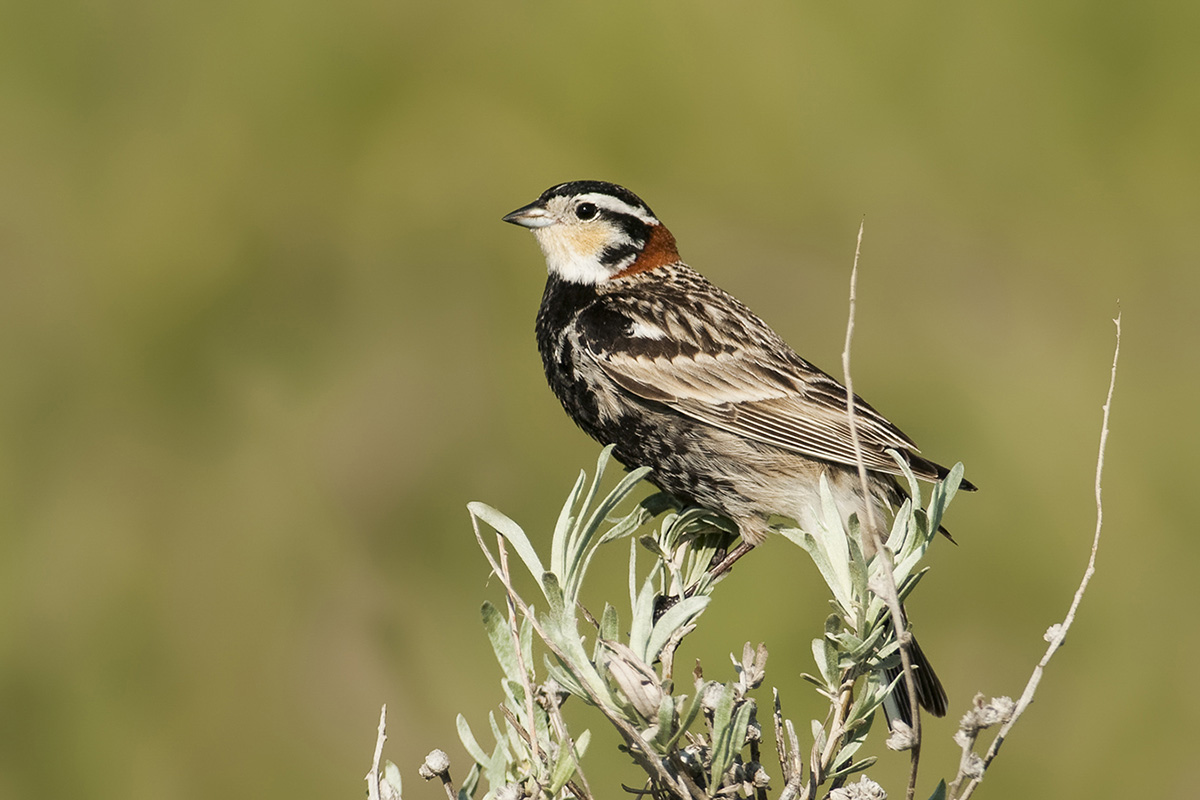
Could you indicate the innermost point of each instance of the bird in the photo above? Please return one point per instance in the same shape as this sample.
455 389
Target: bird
645 353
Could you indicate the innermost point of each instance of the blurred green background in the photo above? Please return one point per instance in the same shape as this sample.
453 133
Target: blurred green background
263 336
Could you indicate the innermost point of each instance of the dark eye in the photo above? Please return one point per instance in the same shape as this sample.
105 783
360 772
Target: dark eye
586 211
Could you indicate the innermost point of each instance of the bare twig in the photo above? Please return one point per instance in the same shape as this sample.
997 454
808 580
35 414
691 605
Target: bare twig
373 775
1057 633
890 595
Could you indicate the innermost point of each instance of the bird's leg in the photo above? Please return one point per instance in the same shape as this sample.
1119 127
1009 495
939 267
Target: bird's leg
724 566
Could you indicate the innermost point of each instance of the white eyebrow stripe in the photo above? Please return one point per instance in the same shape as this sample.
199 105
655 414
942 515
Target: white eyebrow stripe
615 204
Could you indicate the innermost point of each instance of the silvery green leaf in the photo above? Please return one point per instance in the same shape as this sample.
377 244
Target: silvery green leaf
514 694
518 747
914 488
467 790
845 640
818 650
864 705
564 766
943 494
886 652
391 778
865 646
512 532
832 624
666 719
582 551
541 720
572 545
554 594
559 625
907 564
633 577
601 465
858 562
469 742
501 741
495 769
678 615
690 711
729 735
815 681
627 525
827 547
836 545
502 643
846 753
857 766
819 736
527 642
563 769
609 623
940 792
722 751
910 583
816 551
623 489
565 679
901 529
643 619
564 526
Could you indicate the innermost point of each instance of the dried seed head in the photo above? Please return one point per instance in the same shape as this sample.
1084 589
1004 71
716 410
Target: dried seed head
510 791
984 714
712 695
865 789
903 737
635 681
757 776
972 767
752 669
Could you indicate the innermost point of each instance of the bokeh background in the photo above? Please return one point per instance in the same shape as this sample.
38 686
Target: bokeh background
263 336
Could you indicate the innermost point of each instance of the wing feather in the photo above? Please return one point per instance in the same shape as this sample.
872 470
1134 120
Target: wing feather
723 366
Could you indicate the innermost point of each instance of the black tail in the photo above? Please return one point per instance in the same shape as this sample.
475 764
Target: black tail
930 694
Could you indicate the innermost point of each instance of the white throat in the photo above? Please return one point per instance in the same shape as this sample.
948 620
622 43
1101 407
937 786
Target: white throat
573 260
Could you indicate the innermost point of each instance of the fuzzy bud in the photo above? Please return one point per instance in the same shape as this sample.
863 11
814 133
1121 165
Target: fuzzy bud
437 763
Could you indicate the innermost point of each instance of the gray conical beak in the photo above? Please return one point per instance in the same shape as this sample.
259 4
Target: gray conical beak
533 215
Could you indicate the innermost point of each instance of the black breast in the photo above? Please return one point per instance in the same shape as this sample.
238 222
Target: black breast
557 341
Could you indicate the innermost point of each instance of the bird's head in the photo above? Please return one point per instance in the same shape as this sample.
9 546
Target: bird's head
592 232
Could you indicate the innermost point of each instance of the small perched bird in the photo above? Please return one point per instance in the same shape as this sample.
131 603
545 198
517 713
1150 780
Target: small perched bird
646 354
